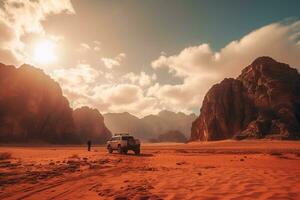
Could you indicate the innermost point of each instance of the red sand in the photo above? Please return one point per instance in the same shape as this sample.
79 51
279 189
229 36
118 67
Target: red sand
213 170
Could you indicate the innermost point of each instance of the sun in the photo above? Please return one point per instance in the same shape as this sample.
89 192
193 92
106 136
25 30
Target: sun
44 52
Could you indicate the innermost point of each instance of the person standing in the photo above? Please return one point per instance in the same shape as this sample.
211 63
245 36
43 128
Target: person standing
89 143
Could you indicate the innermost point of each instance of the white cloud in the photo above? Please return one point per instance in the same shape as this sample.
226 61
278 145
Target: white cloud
97 45
121 94
200 67
81 86
125 98
110 63
141 79
121 56
97 48
79 75
189 61
83 47
113 62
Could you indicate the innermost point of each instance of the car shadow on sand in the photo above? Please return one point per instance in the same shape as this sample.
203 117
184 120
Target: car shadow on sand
132 154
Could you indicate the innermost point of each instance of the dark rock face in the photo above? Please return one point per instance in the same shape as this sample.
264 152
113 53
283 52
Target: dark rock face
264 101
89 124
33 108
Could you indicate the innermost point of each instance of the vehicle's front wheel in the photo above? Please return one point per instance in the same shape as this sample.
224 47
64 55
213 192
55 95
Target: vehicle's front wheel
110 150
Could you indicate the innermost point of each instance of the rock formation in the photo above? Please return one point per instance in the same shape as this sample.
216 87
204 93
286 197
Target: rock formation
264 101
33 108
89 125
126 123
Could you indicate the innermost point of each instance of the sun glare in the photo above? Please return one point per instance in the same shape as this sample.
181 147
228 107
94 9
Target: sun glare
44 52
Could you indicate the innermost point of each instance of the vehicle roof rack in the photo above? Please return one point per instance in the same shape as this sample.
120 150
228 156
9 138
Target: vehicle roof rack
121 134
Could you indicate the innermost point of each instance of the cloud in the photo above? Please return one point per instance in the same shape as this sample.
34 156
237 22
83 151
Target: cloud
189 61
18 18
113 62
125 98
96 48
81 86
141 79
121 56
110 63
200 67
82 74
83 47
97 45
121 94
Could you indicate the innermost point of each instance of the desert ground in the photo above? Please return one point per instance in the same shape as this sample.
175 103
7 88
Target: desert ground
211 170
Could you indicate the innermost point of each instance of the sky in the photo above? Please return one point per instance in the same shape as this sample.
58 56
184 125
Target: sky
143 56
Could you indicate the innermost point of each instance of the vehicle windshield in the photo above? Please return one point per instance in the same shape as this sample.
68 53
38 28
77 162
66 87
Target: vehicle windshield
127 138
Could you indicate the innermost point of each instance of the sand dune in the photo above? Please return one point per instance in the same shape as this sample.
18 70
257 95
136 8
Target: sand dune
213 170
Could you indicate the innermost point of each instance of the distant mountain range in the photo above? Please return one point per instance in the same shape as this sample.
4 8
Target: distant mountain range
150 126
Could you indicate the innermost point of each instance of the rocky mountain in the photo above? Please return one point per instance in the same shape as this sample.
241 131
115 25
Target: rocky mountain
89 125
150 126
33 109
264 101
172 136
125 123
166 121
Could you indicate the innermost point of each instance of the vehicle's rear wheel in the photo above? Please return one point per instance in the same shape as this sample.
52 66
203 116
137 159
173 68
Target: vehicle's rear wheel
110 150
125 151
137 151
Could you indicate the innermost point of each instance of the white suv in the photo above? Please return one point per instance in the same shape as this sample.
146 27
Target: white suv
122 143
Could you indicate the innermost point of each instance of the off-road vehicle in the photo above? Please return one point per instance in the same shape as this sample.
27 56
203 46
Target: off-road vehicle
122 143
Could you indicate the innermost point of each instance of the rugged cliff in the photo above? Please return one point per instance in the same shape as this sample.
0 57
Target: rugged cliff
264 101
33 108
89 125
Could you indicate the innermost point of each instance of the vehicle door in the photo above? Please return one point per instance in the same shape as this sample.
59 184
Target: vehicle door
117 141
113 142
